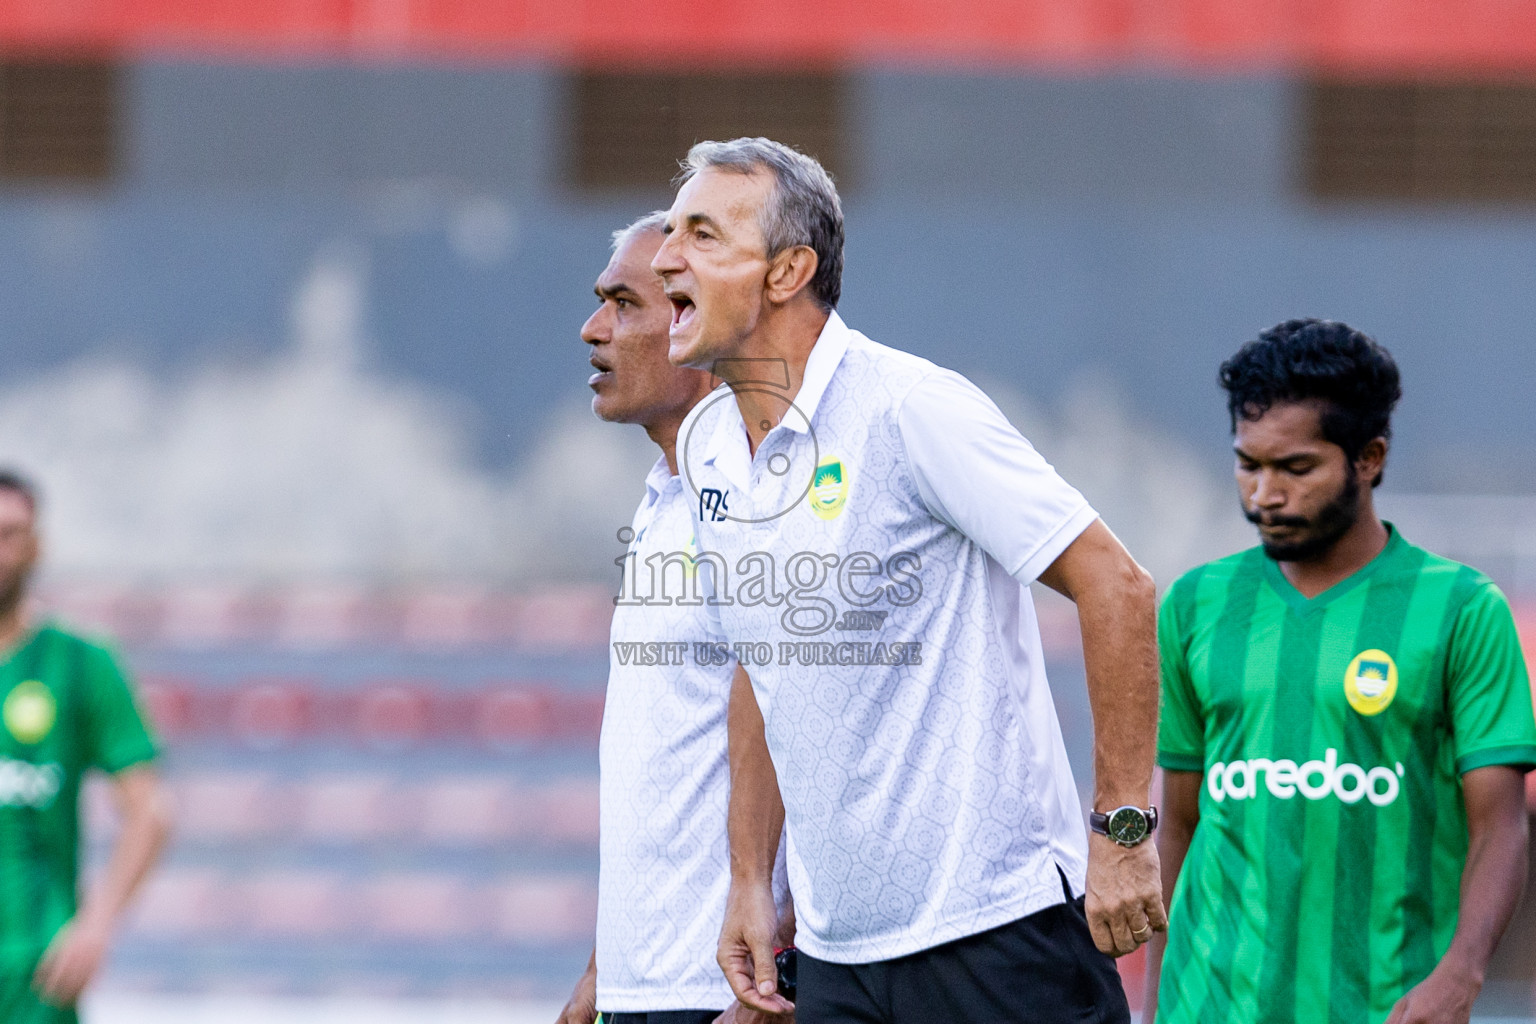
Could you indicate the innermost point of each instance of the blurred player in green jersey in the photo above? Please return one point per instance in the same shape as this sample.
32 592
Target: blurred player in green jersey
1346 726
65 707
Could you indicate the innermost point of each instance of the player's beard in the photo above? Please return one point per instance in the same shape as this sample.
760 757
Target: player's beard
1323 530
13 589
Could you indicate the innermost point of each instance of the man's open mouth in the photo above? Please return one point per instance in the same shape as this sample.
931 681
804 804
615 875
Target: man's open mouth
682 309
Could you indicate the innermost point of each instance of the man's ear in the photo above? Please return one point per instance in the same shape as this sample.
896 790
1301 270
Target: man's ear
790 272
1372 460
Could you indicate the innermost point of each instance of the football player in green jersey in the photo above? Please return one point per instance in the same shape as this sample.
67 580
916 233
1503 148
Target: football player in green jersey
1346 726
65 707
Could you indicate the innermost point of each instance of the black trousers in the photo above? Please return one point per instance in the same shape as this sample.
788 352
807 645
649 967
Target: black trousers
663 1017
1041 969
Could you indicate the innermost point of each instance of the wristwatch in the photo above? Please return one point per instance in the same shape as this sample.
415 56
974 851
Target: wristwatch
1127 825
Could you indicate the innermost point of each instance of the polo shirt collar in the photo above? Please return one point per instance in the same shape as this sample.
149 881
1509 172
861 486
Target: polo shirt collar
730 435
826 355
656 480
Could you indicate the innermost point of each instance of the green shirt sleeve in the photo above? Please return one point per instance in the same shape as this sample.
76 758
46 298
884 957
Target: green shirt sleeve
1489 687
116 735
1181 725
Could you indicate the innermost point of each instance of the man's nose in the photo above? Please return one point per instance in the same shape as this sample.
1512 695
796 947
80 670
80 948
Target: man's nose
1267 492
595 331
667 259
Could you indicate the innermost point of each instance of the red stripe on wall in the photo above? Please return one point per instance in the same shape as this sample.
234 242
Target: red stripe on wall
1371 35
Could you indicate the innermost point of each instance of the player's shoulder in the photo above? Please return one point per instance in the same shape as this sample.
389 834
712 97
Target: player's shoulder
69 637
875 372
1245 563
78 650
865 351
1462 585
1427 564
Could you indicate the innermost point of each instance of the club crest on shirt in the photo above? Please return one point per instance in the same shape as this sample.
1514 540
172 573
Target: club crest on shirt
29 712
1370 682
829 488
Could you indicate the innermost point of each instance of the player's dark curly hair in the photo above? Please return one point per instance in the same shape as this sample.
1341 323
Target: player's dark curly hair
1355 378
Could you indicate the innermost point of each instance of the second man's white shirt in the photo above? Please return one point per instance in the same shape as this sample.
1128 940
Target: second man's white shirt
665 867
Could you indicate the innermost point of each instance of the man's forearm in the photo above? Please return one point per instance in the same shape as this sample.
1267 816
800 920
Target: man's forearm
1495 872
581 1008
1120 657
1116 606
1117 613
756 818
145 830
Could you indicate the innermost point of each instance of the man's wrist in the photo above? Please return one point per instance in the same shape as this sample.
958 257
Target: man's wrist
784 936
749 879
1467 969
95 922
1108 797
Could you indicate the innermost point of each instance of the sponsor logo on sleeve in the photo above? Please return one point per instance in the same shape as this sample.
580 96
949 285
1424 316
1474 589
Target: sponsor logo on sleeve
829 488
1370 682
29 712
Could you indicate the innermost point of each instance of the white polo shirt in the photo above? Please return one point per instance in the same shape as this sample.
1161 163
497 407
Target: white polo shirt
664 859
871 568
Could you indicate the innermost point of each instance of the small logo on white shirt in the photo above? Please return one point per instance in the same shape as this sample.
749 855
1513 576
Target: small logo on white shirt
712 504
829 488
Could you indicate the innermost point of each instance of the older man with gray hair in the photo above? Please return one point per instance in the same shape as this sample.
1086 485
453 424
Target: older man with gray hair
663 869
874 523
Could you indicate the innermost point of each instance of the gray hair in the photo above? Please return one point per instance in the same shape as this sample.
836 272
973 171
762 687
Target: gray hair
656 220
803 208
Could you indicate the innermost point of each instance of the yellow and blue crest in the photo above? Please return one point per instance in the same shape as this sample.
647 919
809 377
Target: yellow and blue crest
829 487
30 712
1370 682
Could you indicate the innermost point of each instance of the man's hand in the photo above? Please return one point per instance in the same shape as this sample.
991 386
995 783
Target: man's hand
1125 895
582 1008
746 949
71 961
736 1013
76 952
1445 997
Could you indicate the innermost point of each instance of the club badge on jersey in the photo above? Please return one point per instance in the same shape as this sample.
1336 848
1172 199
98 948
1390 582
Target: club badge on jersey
829 487
30 712
1370 682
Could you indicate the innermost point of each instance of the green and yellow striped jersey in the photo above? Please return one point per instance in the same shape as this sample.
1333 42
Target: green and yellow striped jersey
1323 878
65 707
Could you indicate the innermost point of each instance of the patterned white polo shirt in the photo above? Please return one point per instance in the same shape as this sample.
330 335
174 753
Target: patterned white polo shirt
871 565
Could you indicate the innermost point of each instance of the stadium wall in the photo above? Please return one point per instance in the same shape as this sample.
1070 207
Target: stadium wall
1029 229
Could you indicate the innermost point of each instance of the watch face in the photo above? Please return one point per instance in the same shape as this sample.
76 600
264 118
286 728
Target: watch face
1127 826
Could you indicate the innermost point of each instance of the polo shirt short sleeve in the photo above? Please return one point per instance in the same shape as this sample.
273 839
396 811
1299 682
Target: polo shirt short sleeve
977 473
